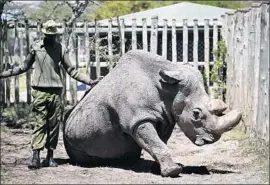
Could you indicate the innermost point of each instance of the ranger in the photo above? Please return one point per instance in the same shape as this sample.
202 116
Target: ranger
47 55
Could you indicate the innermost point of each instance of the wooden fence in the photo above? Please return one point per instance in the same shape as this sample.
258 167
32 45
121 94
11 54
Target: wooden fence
198 38
247 39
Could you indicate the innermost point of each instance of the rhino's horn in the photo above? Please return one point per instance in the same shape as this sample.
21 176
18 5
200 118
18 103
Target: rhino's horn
228 121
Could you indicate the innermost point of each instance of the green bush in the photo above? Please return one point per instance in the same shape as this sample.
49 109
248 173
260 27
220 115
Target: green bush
218 71
19 116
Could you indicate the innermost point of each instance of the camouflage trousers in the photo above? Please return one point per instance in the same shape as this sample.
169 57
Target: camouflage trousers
47 109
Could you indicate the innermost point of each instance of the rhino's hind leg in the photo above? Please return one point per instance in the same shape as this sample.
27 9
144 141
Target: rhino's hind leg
81 158
85 160
146 136
76 157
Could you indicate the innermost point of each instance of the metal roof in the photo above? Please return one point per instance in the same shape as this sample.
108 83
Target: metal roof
179 11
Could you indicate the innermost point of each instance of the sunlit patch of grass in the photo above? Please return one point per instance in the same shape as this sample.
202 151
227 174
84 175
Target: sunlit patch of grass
3 175
261 150
265 166
3 128
235 134
251 146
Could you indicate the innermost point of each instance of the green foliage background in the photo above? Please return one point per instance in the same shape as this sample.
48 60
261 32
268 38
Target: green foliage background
108 9
218 69
113 8
45 12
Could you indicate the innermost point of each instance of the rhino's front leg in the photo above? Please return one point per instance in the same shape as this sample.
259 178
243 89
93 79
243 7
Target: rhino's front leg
146 136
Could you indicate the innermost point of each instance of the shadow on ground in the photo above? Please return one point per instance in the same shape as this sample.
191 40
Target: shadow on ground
147 166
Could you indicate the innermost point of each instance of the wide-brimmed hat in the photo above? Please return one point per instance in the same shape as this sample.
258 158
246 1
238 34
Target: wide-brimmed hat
49 27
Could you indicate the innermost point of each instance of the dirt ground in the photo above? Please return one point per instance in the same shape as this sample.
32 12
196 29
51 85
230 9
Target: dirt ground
220 163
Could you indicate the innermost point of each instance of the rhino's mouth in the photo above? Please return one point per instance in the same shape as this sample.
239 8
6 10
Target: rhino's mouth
205 139
202 141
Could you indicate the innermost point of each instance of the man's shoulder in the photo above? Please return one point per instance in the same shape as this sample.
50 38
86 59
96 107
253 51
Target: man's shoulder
36 45
62 47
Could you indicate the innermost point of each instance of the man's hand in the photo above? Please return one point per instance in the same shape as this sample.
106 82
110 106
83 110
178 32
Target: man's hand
94 82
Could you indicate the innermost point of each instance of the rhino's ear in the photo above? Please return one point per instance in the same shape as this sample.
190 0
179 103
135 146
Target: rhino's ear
170 77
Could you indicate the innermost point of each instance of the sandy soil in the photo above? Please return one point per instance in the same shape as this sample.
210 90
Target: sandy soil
220 163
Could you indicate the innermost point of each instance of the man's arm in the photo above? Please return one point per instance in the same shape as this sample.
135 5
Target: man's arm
74 73
26 65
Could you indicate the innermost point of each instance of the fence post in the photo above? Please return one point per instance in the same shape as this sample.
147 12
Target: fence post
250 74
28 73
229 59
185 41
215 47
64 47
7 65
2 82
110 52
17 57
164 38
223 28
97 43
174 48
246 65
39 24
235 59
241 61
73 83
154 34
206 53
195 43
266 69
256 64
251 59
134 34
122 29
86 48
77 54
235 64
144 34
215 36
263 81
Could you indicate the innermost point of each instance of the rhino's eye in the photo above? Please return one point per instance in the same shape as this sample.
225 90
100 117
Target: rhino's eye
196 114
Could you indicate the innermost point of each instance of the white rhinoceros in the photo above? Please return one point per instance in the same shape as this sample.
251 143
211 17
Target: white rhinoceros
136 107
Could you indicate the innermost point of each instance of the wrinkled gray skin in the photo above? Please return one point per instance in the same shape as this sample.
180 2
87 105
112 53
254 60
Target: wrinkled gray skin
136 107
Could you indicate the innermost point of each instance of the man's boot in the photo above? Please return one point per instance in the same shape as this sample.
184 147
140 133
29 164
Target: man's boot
49 161
35 163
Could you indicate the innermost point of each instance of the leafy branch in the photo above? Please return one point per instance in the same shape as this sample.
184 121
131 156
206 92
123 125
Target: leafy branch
77 10
54 8
217 73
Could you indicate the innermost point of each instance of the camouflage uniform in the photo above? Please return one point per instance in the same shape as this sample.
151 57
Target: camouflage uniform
47 108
